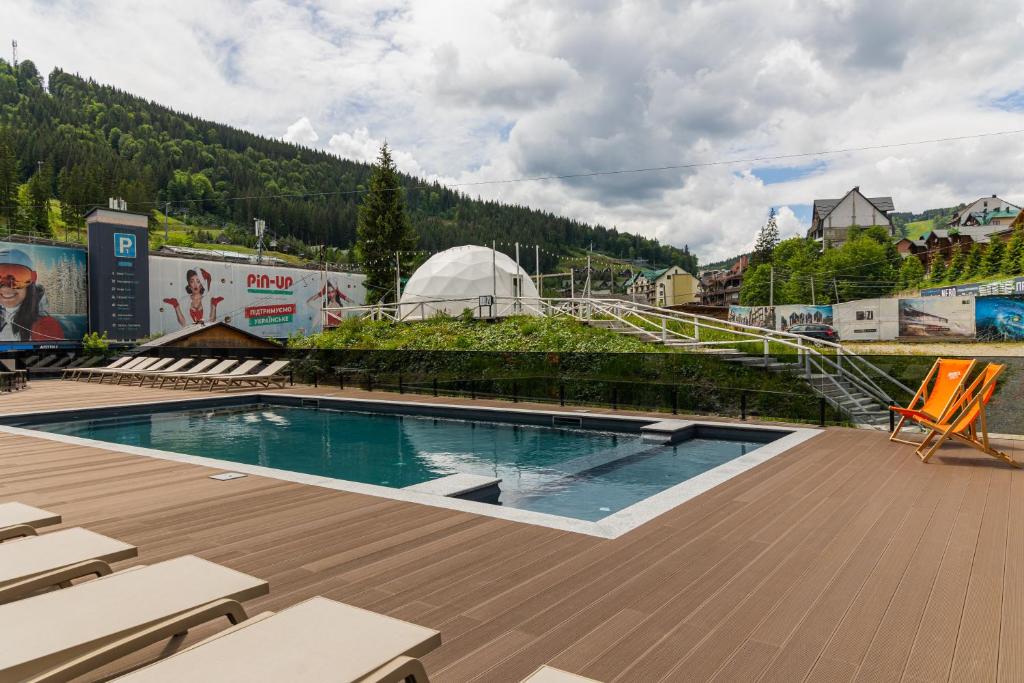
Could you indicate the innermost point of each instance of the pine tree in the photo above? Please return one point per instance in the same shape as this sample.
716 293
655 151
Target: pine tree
383 228
957 264
974 260
8 180
938 268
767 240
911 273
1013 259
992 262
36 204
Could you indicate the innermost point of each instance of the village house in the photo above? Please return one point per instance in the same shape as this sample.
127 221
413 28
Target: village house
979 222
663 287
721 287
831 219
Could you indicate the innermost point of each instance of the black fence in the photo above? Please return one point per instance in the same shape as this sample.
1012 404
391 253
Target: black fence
680 384
673 383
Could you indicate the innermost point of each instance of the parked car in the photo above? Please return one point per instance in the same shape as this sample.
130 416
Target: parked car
816 331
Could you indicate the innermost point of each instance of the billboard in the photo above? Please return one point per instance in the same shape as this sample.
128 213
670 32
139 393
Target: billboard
937 317
756 316
999 318
119 280
270 301
798 314
43 295
1014 286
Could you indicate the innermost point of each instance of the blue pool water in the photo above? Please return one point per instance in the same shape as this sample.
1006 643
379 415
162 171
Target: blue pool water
577 473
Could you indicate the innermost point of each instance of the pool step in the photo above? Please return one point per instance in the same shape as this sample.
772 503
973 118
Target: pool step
461 485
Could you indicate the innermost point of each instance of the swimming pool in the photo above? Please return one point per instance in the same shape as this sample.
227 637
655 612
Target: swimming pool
593 473
578 473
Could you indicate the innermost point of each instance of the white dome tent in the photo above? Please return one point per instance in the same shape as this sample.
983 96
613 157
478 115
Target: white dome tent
467 277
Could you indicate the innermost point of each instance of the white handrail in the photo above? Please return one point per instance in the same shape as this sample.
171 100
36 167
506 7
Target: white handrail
854 370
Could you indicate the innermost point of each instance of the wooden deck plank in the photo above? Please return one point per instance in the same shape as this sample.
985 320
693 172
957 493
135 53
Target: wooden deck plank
843 557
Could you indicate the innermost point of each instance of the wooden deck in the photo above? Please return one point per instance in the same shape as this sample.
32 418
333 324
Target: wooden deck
843 559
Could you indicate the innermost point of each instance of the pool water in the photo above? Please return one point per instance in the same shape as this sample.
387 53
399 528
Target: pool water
578 473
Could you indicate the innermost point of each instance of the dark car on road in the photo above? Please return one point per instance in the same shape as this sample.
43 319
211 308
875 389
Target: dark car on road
816 331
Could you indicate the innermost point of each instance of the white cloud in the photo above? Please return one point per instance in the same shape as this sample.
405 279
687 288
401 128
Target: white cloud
301 132
361 146
478 90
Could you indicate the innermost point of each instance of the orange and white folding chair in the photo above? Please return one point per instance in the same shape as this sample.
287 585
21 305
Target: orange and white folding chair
933 402
966 420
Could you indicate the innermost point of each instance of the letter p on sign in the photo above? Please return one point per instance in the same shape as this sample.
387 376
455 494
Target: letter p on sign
124 245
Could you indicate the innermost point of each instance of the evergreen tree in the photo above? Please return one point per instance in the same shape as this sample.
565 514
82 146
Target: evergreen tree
974 261
383 228
957 265
911 273
767 240
35 203
8 180
1013 259
938 268
992 262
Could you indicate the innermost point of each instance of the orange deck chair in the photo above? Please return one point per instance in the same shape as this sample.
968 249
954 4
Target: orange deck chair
949 374
966 421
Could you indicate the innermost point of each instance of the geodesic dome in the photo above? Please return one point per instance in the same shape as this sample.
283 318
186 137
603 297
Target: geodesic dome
456 279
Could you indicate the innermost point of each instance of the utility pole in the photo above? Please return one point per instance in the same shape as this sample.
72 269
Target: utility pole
494 271
771 287
167 210
14 54
537 265
836 288
261 227
517 290
398 276
813 302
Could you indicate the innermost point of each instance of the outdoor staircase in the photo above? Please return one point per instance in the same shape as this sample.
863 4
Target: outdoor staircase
850 383
860 407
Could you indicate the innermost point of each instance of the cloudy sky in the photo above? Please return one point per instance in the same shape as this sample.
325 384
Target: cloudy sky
487 90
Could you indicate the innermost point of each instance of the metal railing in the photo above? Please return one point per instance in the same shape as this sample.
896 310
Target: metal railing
846 373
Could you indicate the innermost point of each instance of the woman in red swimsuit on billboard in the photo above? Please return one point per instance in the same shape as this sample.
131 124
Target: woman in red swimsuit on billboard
195 290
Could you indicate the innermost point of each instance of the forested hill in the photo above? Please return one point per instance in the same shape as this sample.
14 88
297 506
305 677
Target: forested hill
97 141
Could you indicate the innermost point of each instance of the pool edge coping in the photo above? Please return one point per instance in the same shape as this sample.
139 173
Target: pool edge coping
610 527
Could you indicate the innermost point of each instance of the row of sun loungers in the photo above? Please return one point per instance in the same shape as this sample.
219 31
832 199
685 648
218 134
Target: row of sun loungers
185 373
56 630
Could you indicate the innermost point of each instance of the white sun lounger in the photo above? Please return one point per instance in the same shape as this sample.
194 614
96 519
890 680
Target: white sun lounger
243 369
74 373
151 603
272 374
138 363
220 368
55 559
170 365
160 364
152 377
313 641
18 519
549 674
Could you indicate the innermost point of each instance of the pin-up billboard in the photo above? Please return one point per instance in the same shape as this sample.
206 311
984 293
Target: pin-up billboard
43 295
270 301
